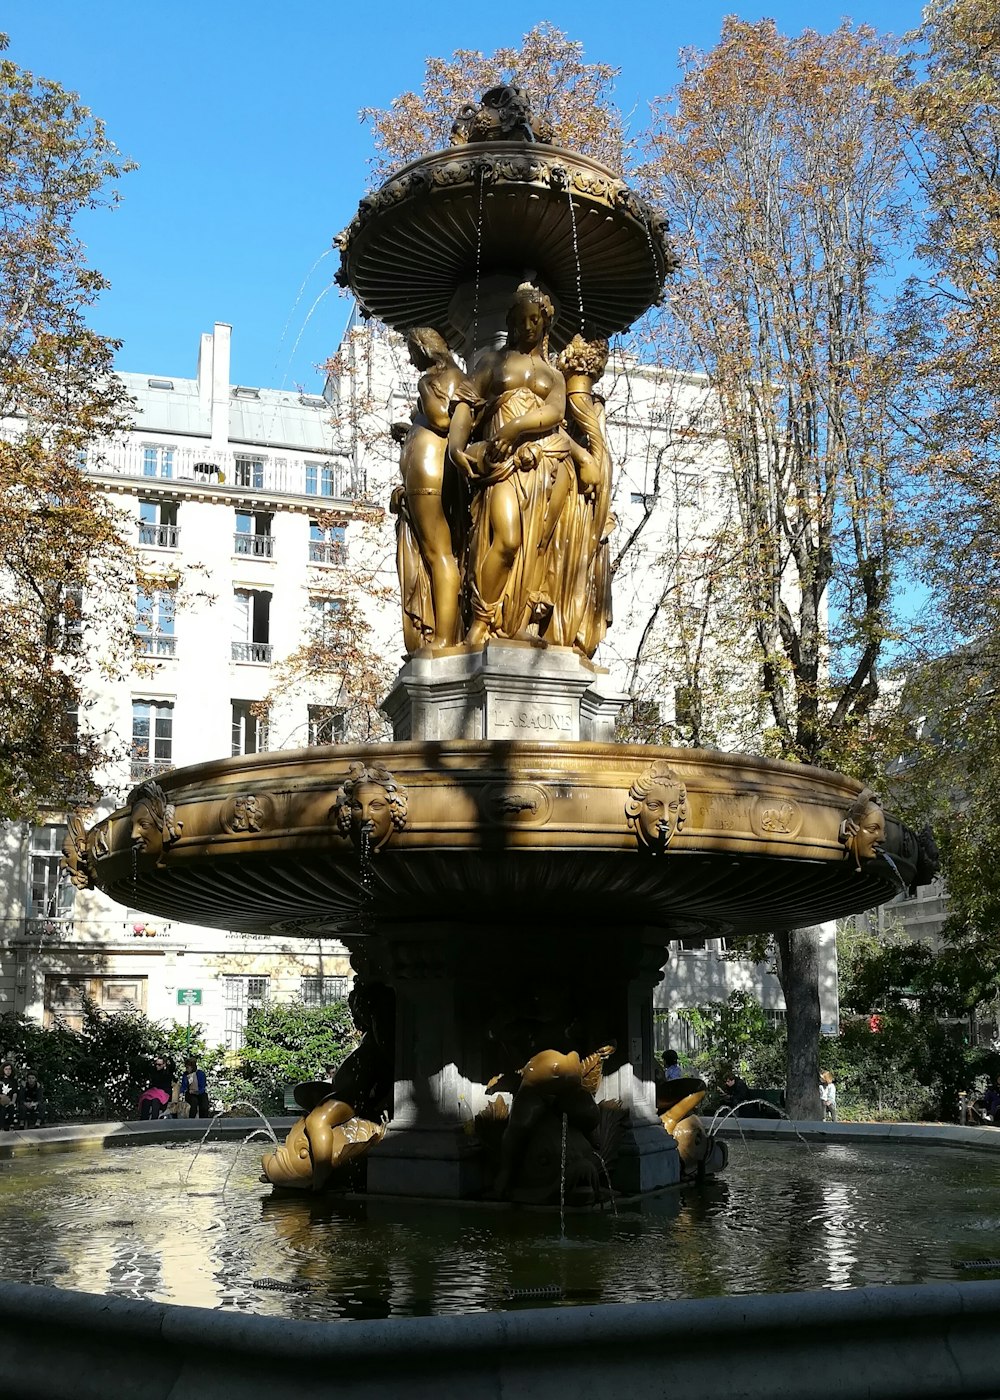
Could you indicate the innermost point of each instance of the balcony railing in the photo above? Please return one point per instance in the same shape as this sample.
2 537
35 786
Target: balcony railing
324 552
321 477
142 768
61 926
252 651
157 643
159 536
258 546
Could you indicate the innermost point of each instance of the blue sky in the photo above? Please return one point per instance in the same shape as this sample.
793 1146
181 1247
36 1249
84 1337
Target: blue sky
244 121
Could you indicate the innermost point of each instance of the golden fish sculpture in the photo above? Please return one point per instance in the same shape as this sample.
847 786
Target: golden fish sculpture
318 1144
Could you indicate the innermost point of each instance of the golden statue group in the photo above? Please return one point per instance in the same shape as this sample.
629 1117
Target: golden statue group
504 508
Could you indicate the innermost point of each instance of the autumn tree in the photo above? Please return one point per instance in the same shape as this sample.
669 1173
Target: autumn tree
59 538
779 165
948 344
574 95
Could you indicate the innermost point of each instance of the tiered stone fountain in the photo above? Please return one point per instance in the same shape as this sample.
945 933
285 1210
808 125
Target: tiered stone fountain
505 876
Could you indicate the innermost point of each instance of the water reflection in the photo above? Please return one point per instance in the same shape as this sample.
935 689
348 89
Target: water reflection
124 1223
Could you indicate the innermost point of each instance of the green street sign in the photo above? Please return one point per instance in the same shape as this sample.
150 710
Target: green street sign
188 996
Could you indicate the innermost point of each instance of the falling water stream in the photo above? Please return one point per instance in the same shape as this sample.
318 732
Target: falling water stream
562 1181
576 256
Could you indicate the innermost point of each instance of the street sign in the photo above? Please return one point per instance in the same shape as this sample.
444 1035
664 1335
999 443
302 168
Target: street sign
188 996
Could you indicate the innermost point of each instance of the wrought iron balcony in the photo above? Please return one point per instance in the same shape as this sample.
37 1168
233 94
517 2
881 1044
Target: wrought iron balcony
258 546
159 536
148 767
252 651
327 552
157 643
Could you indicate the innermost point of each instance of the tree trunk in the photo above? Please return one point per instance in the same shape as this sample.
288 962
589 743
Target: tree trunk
798 972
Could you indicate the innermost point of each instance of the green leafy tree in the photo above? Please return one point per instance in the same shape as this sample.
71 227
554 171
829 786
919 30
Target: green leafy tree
60 540
285 1044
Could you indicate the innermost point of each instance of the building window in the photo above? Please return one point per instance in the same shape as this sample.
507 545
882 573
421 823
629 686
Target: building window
71 618
253 534
50 894
251 625
65 997
327 543
249 729
158 461
154 621
322 991
326 725
687 706
688 485
321 479
249 471
152 737
241 995
324 618
158 524
639 498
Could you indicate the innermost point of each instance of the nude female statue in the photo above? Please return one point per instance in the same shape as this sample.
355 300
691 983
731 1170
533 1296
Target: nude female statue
428 504
507 437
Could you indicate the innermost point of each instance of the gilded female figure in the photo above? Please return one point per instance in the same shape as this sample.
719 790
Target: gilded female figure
428 503
507 436
582 364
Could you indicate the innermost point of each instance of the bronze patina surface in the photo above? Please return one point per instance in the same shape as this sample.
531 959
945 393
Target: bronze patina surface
484 833
511 206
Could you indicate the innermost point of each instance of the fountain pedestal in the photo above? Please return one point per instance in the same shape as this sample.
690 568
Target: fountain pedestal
470 1006
507 690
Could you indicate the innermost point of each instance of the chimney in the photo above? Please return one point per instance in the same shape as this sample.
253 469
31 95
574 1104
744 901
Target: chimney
204 375
221 342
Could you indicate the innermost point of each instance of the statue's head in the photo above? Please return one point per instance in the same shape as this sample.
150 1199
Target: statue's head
862 832
426 347
657 807
154 820
370 804
529 317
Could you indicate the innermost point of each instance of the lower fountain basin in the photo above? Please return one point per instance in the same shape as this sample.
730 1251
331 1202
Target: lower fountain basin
499 828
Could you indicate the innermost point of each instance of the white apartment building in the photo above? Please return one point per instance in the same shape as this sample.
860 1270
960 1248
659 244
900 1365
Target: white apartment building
255 511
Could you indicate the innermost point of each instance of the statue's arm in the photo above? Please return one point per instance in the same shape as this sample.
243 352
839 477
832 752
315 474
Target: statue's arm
544 416
435 402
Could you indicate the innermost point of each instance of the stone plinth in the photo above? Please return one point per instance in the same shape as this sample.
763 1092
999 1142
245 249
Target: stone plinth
509 690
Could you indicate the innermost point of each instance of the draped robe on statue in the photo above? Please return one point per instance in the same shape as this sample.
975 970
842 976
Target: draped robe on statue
545 593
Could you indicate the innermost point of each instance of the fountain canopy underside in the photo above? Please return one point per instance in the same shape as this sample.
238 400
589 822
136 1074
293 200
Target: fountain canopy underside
500 833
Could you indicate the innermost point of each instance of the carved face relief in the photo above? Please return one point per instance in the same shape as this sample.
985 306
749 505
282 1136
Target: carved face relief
154 827
145 834
871 833
657 808
370 811
862 832
370 806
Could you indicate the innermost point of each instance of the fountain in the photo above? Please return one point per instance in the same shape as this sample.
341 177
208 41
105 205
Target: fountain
505 876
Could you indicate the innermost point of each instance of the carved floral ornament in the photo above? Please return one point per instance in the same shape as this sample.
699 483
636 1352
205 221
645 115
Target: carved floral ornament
657 808
369 806
154 824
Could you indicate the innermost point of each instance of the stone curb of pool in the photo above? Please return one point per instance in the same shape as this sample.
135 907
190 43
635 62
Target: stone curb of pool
74 1137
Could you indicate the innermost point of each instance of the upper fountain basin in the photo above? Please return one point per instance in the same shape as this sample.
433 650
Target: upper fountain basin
463 214
490 832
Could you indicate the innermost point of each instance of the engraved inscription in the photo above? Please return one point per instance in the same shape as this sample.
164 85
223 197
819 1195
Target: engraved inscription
532 719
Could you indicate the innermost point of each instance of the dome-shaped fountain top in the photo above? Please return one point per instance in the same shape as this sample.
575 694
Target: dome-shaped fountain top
503 201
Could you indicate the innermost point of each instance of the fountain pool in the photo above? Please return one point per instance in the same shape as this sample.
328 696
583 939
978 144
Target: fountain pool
787 1217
